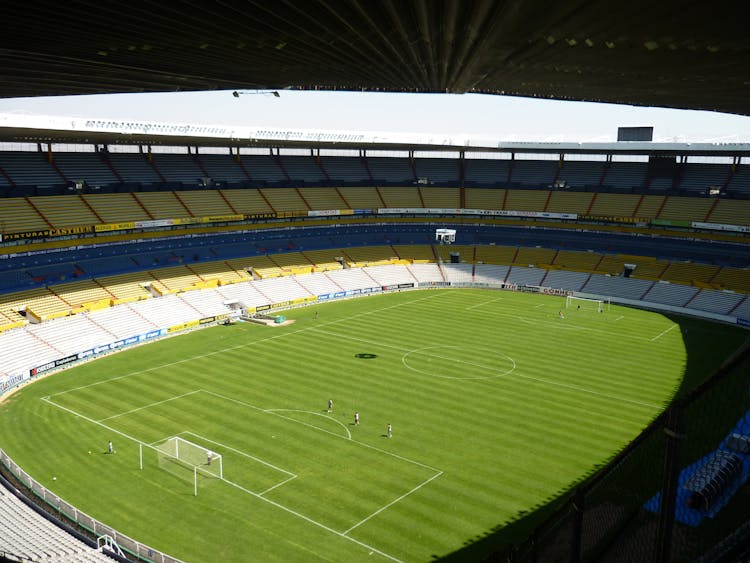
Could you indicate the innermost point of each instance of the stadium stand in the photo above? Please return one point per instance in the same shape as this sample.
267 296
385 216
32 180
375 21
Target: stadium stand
303 169
566 280
526 200
534 173
318 284
31 169
720 302
162 205
222 168
263 169
486 172
281 289
116 208
441 198
731 212
205 203
686 209
28 536
352 278
284 199
134 168
481 198
613 205
581 174
625 176
414 252
526 276
670 294
249 201
401 197
458 273
425 273
569 202
77 166
343 169
490 273
390 170
626 288
323 198
363 198
496 254
19 214
390 275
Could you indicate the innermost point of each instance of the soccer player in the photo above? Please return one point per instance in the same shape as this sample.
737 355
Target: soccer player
389 430
110 447
356 418
561 315
330 406
209 457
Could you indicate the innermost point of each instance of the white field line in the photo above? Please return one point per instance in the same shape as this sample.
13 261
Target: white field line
483 303
363 444
539 305
254 494
561 325
348 433
149 405
272 411
620 317
240 452
514 373
662 333
311 521
269 489
589 391
245 345
92 421
382 508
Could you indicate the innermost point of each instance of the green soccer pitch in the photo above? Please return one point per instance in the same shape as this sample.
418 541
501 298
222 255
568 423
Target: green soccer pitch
498 407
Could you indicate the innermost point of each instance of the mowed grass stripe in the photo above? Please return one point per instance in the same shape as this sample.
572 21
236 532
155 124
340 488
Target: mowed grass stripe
501 447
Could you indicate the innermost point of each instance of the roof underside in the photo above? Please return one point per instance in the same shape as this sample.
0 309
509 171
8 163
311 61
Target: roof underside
666 54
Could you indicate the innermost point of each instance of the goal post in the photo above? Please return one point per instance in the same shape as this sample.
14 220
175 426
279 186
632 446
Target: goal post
587 303
188 460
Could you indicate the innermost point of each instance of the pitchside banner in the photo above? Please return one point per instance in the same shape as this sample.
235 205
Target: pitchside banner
720 227
485 212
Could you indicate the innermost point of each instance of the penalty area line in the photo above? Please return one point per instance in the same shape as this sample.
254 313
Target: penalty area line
483 303
662 333
382 508
149 405
311 521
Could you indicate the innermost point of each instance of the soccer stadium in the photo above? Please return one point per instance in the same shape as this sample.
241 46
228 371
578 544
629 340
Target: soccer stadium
221 343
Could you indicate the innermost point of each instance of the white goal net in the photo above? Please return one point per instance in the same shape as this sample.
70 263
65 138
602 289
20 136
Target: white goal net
586 304
189 461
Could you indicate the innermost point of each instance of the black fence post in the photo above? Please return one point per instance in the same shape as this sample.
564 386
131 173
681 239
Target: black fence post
575 543
674 430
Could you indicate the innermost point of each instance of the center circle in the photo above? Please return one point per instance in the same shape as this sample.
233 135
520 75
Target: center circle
458 362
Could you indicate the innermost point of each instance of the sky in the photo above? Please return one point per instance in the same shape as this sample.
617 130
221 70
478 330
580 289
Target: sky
502 118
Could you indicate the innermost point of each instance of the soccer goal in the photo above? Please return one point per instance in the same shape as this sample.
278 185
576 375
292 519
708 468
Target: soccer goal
188 460
586 303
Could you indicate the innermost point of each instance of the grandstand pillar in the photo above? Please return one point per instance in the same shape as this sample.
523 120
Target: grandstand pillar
674 430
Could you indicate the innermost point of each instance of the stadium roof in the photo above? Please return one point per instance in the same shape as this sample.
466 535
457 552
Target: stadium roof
670 54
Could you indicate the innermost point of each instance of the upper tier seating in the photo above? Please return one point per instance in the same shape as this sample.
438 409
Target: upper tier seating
79 166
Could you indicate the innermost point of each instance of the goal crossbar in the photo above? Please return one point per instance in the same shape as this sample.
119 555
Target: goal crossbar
589 302
198 459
